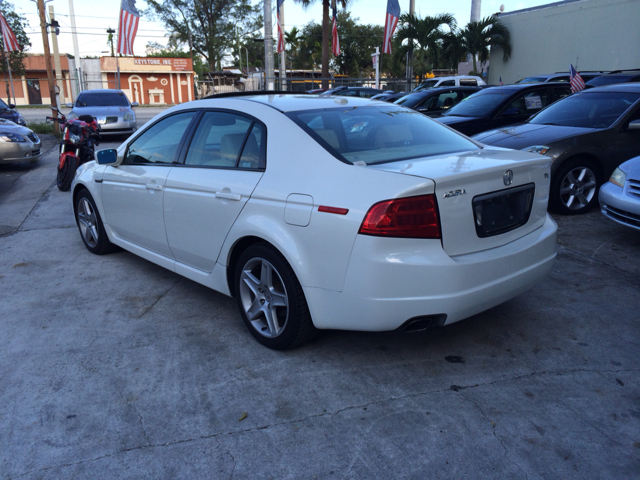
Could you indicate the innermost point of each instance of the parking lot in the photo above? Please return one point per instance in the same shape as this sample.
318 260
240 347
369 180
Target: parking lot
112 367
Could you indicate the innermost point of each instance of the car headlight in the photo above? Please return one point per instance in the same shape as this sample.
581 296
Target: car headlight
618 177
541 149
129 117
11 137
72 116
20 120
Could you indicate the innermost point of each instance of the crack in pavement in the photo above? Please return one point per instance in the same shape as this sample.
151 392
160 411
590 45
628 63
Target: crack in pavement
455 388
162 295
593 259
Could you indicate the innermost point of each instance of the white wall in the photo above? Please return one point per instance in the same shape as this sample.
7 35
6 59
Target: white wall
590 34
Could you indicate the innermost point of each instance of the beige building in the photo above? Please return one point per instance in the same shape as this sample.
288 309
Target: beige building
590 34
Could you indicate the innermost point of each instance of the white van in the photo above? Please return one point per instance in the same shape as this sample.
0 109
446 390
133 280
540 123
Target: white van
457 81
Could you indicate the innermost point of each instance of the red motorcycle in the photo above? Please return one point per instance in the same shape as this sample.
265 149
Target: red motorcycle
79 139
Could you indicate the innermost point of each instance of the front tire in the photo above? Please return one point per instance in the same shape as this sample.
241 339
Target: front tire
66 173
574 187
270 299
90 225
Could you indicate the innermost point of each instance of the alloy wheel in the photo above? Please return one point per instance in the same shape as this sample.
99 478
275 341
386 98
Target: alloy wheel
87 223
263 297
578 188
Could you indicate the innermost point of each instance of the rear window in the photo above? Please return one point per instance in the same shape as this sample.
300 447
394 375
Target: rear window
611 79
533 80
468 82
102 99
379 134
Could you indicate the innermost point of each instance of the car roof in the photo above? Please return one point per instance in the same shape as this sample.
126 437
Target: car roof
291 103
434 90
103 90
523 86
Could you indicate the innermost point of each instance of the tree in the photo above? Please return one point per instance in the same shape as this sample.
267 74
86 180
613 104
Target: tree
426 35
487 33
212 24
454 51
155 49
18 24
357 43
326 33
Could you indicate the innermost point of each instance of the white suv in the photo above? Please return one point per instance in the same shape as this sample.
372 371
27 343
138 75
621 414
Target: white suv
457 81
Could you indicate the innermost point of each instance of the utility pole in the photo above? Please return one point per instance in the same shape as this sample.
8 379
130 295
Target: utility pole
111 31
412 11
283 62
56 55
268 47
76 50
47 62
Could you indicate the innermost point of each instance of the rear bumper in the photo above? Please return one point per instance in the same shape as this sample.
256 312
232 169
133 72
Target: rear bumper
387 285
618 206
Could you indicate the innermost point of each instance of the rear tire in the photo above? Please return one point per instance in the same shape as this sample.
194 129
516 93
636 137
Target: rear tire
270 299
90 225
66 173
575 186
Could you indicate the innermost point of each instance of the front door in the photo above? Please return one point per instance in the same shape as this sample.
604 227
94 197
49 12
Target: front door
206 193
132 193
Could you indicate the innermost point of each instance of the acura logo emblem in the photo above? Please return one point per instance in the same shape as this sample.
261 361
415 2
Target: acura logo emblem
507 178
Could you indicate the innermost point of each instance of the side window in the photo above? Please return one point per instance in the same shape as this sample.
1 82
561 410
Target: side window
447 100
219 140
468 82
529 103
561 92
448 83
347 93
251 153
159 144
367 93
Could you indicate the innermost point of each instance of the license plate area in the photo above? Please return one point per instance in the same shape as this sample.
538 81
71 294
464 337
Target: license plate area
500 212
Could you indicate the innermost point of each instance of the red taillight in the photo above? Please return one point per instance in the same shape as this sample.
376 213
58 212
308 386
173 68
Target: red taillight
412 217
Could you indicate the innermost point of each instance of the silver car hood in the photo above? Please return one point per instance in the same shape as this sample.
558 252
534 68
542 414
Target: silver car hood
9 126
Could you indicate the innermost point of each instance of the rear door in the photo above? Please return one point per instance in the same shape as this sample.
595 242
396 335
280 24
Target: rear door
206 192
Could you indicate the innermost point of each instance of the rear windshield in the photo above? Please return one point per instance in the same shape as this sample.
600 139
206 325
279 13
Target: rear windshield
588 110
410 100
102 99
427 84
610 80
379 134
477 105
533 80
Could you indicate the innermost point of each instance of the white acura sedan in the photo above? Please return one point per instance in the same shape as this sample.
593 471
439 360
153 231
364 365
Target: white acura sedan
323 212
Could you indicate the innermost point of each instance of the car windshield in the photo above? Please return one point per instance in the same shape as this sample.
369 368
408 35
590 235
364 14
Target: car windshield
379 134
533 80
477 105
102 99
410 100
426 84
3 106
588 110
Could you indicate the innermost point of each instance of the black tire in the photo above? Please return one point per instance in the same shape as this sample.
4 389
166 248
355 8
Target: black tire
66 173
281 318
90 225
575 186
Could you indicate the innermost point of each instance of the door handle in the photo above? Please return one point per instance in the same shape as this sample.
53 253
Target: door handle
153 186
228 196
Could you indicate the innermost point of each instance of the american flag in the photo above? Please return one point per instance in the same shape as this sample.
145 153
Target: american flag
10 40
577 84
390 24
335 40
501 81
129 18
280 32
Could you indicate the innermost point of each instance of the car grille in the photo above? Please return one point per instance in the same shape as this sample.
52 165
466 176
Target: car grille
621 216
111 120
634 187
35 152
33 137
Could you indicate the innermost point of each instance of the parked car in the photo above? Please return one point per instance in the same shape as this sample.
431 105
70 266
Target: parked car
389 96
323 212
455 81
619 76
586 135
496 107
9 112
620 196
435 101
18 143
559 77
111 108
362 92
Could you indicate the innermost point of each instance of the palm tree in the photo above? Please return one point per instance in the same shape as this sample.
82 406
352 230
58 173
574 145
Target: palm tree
326 33
479 36
425 34
292 39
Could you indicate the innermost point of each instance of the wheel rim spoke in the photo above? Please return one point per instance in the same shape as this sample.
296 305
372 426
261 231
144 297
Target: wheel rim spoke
250 281
279 299
271 318
254 310
266 275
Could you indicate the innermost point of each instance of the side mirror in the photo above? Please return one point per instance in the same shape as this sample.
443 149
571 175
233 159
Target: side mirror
11 105
510 112
135 104
634 125
68 105
107 157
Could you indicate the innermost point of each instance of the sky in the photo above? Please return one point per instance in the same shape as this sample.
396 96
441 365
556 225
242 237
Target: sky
93 17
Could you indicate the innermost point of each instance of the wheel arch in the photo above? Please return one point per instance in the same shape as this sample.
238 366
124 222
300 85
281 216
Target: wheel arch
234 254
586 155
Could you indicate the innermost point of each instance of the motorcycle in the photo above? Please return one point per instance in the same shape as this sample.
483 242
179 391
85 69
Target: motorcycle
79 139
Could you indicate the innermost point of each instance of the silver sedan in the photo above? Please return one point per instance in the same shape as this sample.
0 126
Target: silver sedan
18 144
111 108
620 196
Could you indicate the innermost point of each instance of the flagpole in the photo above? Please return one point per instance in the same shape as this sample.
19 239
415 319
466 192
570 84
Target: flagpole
283 68
13 94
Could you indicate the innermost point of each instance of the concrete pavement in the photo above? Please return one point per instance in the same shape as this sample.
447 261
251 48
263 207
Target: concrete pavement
112 367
